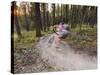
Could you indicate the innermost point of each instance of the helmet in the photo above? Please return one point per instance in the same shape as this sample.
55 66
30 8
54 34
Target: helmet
61 23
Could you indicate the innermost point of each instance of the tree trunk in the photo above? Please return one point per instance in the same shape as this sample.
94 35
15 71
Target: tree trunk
16 20
92 16
66 13
37 19
44 16
70 16
53 14
61 12
47 18
26 20
58 13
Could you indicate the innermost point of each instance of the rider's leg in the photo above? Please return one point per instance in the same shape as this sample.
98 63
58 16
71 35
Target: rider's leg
57 40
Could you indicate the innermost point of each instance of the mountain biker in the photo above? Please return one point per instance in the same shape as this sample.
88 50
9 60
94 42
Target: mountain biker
62 32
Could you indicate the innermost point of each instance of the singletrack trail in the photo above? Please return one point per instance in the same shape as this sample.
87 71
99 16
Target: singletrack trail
45 57
64 57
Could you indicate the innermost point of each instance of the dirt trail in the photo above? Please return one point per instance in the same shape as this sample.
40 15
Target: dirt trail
45 57
65 57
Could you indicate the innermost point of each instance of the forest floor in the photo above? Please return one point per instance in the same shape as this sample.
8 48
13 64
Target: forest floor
41 57
65 57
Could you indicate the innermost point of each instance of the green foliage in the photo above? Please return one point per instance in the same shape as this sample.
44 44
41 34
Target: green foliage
84 39
26 41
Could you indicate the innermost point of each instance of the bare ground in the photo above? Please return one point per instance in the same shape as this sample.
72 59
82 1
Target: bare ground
45 58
